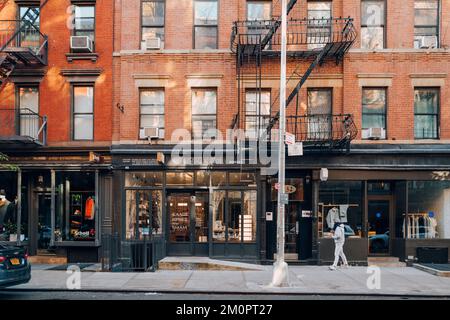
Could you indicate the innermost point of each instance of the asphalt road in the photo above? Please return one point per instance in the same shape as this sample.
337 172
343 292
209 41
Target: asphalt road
12 294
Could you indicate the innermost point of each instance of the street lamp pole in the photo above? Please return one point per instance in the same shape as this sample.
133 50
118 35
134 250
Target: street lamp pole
280 271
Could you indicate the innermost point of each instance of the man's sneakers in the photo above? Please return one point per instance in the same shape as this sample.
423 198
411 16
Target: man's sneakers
332 268
345 266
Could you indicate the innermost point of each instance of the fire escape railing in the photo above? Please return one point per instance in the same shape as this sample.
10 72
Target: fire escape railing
22 34
319 39
23 123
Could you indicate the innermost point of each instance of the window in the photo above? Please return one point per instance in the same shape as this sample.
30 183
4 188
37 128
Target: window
374 113
152 111
75 207
319 114
83 112
341 201
428 214
85 21
426 113
372 24
153 13
257 112
143 214
29 37
29 111
319 31
258 11
426 24
234 216
205 24
204 108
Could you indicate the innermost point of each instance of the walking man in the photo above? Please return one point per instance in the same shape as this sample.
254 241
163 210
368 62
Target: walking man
339 240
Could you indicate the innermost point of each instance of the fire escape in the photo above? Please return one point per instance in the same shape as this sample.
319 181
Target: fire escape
22 47
309 41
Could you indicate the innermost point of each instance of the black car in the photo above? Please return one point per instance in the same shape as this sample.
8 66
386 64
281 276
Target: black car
14 266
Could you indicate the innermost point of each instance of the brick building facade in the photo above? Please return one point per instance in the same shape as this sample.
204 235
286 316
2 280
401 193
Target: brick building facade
168 65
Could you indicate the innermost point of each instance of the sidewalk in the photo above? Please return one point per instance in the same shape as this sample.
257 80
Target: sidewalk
304 280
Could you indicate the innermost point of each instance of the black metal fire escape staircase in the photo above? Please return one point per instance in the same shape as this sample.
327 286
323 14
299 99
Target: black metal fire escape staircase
314 40
12 51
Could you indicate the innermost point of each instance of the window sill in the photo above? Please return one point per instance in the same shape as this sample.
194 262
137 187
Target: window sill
82 56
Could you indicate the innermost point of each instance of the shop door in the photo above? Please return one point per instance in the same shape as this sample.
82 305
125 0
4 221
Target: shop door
379 214
43 225
291 231
188 214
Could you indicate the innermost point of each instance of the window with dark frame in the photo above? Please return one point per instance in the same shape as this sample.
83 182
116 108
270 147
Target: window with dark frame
320 106
426 24
319 29
426 113
30 38
374 109
206 24
29 122
153 20
152 110
83 112
204 113
257 11
85 21
373 17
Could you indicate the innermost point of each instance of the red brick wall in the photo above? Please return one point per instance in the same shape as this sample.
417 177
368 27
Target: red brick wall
55 90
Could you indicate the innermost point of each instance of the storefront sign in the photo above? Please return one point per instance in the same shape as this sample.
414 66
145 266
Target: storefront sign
289 189
306 213
269 216
295 149
136 162
289 139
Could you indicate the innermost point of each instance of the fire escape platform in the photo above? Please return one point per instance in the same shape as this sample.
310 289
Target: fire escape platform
25 55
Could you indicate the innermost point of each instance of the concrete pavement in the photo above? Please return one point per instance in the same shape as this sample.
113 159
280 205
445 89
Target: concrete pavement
304 280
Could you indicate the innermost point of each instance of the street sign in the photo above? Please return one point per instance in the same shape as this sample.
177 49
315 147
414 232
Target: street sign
295 149
284 198
289 138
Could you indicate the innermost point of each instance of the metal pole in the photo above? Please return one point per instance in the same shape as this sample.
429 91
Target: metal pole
280 273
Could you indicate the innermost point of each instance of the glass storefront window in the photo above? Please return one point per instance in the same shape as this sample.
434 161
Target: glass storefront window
341 202
234 216
218 223
143 179
8 206
180 178
143 214
248 225
428 210
217 178
243 179
75 206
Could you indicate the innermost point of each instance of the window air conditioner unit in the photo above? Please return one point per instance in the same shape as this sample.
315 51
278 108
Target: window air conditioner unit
375 133
81 44
426 42
151 44
149 133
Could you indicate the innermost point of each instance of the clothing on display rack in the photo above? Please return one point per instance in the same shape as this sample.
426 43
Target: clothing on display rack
420 226
343 213
332 217
89 212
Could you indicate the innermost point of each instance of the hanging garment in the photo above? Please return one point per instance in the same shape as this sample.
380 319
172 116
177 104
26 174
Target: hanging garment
343 213
433 226
89 212
332 217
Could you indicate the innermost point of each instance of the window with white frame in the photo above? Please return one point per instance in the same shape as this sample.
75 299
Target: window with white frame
426 24
152 114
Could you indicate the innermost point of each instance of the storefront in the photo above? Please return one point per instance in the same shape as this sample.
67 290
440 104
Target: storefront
194 211
54 212
393 215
